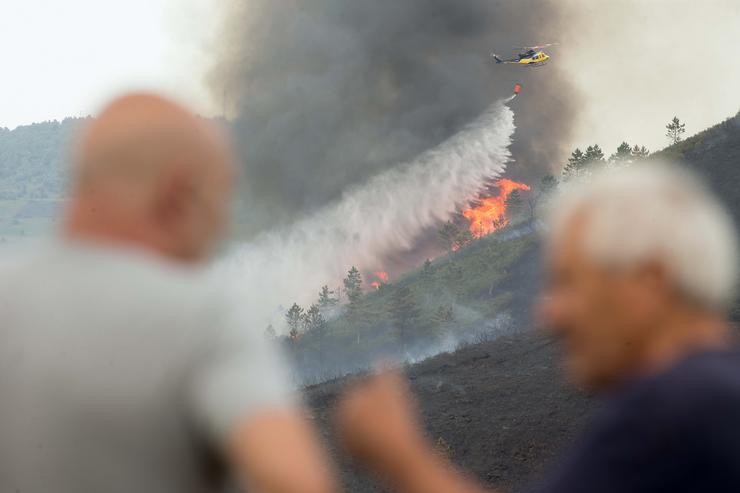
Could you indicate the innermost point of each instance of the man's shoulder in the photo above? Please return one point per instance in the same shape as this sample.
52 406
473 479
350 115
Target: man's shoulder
705 373
652 428
115 274
707 380
701 384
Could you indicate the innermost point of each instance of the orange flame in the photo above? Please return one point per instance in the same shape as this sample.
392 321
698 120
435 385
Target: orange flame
382 278
490 215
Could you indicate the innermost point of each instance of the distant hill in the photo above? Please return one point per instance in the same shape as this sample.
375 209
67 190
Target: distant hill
33 177
32 160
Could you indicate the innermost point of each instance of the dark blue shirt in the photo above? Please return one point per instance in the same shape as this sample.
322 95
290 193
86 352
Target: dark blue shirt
677 431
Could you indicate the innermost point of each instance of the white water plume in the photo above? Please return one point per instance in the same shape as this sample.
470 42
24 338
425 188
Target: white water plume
384 215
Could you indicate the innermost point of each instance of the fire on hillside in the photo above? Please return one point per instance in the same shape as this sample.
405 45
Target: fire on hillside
490 213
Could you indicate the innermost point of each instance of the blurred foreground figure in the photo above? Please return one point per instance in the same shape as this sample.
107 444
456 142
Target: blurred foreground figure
121 368
641 265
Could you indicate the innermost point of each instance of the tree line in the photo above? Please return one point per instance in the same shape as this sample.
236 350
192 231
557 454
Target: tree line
403 308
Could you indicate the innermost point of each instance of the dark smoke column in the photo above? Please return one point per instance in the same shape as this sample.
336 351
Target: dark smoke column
330 92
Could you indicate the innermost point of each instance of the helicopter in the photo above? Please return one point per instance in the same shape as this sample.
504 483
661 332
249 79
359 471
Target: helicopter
533 56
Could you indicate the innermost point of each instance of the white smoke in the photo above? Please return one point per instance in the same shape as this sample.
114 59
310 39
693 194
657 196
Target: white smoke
384 215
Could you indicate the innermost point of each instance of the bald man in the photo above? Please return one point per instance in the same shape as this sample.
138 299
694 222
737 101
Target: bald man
121 368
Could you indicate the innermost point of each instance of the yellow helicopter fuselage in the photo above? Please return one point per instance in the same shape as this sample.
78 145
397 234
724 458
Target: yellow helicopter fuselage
538 58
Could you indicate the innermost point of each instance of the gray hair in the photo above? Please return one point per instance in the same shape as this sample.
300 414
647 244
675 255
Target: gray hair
652 211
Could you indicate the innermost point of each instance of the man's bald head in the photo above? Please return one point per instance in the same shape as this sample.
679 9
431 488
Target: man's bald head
148 172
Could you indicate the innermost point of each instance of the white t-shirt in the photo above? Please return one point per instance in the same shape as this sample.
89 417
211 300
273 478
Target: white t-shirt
121 372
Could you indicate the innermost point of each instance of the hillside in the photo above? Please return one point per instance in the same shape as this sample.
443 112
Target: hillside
472 295
482 290
499 408
714 154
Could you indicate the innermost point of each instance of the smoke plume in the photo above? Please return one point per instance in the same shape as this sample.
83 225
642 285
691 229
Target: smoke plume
326 94
385 214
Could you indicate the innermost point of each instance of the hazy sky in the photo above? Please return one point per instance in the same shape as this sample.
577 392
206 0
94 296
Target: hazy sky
63 58
636 63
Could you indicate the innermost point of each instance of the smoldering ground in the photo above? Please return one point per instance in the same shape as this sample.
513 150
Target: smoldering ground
328 93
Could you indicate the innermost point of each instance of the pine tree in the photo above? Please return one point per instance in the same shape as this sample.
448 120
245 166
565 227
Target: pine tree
326 298
594 154
353 291
624 152
426 270
464 237
353 286
640 152
313 320
675 130
579 162
514 204
270 332
443 316
575 165
294 317
499 222
447 234
405 313
547 184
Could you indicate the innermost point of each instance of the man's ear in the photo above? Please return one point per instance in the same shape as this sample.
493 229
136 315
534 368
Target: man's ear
654 285
172 200
656 277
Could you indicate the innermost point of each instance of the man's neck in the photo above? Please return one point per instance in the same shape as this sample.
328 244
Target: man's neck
81 225
682 333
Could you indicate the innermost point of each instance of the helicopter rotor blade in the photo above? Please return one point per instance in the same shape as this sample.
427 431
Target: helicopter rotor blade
537 47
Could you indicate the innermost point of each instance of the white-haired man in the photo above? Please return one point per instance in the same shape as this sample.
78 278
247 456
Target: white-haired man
641 265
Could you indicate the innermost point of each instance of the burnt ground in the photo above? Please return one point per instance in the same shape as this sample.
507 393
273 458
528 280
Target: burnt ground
499 409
